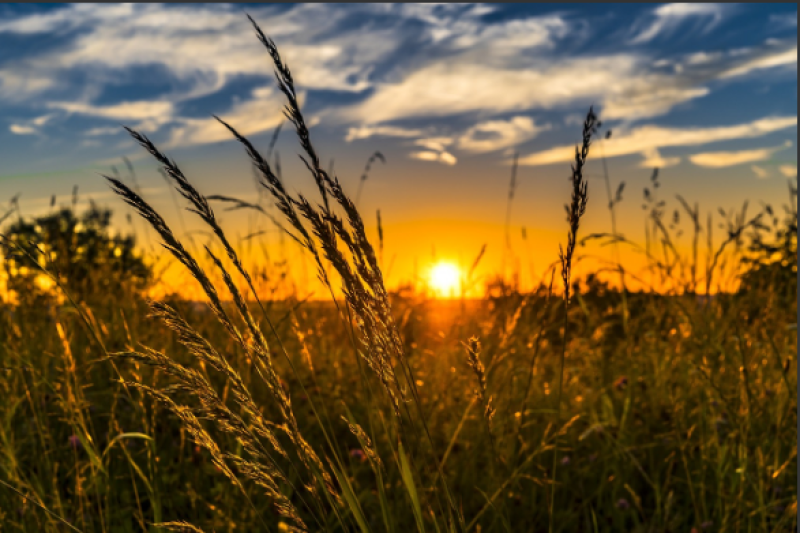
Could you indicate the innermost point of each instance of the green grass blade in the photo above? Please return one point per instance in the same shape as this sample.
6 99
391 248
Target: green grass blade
350 498
411 488
123 436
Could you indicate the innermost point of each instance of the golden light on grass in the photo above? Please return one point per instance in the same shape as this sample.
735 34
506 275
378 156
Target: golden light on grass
44 283
444 279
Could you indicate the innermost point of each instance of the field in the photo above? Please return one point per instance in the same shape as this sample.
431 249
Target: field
580 406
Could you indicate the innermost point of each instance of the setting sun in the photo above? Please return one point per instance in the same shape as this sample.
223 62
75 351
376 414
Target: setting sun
445 279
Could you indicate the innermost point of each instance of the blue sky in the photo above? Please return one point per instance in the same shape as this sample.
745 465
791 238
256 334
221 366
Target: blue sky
706 92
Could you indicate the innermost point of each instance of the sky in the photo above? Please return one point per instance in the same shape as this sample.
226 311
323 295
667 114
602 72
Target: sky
446 92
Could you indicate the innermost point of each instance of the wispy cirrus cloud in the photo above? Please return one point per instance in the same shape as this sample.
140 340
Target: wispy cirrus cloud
436 64
436 149
498 134
665 20
729 159
644 139
443 157
248 117
22 129
781 57
625 84
367 131
30 127
136 110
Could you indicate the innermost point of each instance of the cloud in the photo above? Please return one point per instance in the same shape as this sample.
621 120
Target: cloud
498 134
453 87
206 46
437 144
64 19
512 36
627 85
97 132
247 117
778 58
761 173
30 127
366 131
784 21
145 115
647 103
441 157
410 61
653 159
436 150
19 129
644 138
21 83
140 110
729 159
42 120
790 171
665 20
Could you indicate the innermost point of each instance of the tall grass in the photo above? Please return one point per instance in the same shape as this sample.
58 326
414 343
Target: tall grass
603 410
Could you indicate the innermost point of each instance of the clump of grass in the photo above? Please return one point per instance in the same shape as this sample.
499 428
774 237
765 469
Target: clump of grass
365 296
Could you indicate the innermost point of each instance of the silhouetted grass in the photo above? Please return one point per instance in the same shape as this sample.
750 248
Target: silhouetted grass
604 410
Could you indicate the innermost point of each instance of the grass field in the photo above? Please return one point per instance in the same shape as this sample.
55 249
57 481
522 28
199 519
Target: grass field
590 409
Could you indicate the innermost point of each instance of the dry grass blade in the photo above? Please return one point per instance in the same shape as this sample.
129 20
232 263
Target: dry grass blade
376 156
180 526
474 361
363 286
292 111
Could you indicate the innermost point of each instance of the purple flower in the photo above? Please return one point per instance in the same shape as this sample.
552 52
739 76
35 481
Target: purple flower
75 442
621 383
707 524
358 454
565 460
623 504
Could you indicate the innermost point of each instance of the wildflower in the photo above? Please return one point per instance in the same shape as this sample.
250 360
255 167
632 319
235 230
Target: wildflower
565 460
358 454
621 383
75 442
707 524
623 504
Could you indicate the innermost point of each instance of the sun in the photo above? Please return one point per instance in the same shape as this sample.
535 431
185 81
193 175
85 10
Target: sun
445 279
